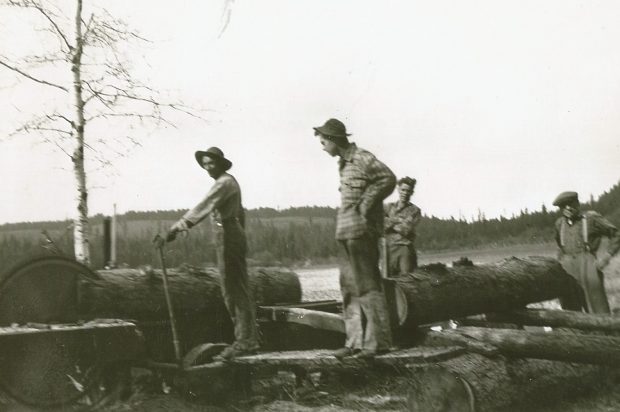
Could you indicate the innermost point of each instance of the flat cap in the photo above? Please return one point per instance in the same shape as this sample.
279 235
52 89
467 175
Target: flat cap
565 198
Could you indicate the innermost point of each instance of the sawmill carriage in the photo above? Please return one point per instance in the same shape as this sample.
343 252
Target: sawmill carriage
69 336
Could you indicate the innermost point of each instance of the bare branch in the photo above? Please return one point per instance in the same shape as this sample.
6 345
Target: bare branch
157 117
15 69
56 116
47 13
53 23
226 15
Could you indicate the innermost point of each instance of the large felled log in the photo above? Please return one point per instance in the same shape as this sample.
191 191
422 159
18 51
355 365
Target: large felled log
473 382
135 294
435 292
196 298
556 345
559 318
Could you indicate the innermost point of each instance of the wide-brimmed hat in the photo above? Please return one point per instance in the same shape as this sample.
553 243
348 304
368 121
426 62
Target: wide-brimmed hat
565 198
214 153
333 128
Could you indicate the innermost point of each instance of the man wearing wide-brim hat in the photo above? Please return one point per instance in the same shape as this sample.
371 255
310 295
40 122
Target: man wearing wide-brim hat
364 183
223 204
578 235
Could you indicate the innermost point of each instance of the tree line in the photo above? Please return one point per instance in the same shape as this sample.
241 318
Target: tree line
301 235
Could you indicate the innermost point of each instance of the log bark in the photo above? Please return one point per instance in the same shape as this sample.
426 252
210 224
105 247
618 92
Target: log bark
557 345
473 382
199 308
437 293
559 318
139 295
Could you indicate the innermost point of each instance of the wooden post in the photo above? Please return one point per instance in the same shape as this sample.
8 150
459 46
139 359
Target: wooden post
112 263
106 242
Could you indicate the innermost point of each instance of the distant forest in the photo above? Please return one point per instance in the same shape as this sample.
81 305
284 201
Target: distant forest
293 236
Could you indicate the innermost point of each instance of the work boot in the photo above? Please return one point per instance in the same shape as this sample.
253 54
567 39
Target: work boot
234 351
344 352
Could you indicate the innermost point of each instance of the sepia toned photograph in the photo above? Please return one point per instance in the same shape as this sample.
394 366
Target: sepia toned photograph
236 205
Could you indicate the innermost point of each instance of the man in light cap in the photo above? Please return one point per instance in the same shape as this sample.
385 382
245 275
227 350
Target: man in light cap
579 236
364 183
223 204
401 219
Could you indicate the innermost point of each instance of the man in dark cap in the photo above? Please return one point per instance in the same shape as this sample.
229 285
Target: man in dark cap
223 204
579 235
401 219
364 183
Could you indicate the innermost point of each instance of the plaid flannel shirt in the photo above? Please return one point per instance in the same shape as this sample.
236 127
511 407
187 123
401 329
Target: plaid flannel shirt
364 183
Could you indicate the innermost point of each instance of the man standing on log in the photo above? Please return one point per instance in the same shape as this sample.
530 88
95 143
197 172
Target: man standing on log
401 219
223 203
579 236
364 183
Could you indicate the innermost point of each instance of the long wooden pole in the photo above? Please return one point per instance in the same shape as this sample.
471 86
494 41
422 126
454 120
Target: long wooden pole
173 326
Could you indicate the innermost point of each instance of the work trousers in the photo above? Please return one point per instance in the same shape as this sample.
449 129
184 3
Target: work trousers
588 292
366 317
401 259
231 253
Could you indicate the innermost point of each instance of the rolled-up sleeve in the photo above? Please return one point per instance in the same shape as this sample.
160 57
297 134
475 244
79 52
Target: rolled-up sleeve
219 192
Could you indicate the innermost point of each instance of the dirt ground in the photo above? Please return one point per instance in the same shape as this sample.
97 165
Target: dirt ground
278 391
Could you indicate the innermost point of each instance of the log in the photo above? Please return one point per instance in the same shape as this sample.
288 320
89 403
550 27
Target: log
201 315
473 382
437 293
559 318
556 345
134 294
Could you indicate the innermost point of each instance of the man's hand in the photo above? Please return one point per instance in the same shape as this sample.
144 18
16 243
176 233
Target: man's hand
171 235
179 226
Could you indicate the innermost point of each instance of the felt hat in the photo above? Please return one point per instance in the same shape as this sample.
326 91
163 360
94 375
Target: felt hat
214 153
333 128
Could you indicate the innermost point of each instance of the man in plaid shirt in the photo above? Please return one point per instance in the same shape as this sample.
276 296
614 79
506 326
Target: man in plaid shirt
364 183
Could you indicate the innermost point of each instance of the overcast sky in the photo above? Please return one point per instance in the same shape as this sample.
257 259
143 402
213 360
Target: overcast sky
491 105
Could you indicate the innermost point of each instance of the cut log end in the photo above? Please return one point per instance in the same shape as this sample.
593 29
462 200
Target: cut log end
437 389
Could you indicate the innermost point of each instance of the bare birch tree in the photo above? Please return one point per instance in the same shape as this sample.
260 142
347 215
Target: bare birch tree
100 88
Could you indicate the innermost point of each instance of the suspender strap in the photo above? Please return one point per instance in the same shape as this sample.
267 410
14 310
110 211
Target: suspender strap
584 232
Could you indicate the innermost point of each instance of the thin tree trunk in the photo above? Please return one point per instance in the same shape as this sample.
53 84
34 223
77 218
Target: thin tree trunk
81 229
